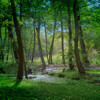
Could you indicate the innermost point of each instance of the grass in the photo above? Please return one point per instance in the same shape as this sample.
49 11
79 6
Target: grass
82 89
96 71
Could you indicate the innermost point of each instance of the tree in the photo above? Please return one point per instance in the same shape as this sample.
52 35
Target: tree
20 45
34 43
84 54
77 56
62 42
1 51
14 46
39 46
52 43
71 65
24 64
46 40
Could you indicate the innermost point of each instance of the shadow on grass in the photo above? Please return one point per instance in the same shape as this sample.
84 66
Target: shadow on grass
17 83
23 93
50 91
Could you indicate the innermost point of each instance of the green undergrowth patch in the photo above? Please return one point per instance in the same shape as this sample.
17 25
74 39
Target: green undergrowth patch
90 75
94 71
32 90
9 67
75 87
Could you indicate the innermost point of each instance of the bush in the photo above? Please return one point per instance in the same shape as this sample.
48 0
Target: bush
9 68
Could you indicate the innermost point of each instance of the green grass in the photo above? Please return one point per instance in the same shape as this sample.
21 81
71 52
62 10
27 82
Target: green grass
96 71
82 89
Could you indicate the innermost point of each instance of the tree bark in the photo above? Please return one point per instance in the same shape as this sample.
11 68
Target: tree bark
1 53
7 51
20 45
84 54
34 43
14 46
71 65
26 76
62 42
46 40
51 47
24 64
39 46
77 56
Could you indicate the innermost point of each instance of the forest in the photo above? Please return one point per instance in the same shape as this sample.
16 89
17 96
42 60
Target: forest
49 49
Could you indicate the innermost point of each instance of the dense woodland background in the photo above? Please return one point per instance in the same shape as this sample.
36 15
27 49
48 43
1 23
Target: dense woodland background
43 32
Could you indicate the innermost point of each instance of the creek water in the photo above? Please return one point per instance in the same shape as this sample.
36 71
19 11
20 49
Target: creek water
47 78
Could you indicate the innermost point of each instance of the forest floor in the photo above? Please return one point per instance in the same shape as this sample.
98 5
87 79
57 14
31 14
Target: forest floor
56 85
71 87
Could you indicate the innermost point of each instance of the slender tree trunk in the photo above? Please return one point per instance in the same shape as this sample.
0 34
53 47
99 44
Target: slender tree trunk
84 54
46 40
62 42
71 65
51 47
1 54
28 54
7 51
76 17
5 34
15 50
8 42
34 43
20 45
13 43
25 70
24 64
39 46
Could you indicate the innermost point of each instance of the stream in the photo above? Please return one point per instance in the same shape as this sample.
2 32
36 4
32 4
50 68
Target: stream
47 78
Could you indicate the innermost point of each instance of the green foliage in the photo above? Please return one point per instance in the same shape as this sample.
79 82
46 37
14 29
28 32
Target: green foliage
75 88
9 68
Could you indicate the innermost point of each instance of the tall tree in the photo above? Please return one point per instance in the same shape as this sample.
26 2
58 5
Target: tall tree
25 70
62 42
13 43
19 40
71 65
52 43
46 40
34 42
84 54
77 56
39 45
1 51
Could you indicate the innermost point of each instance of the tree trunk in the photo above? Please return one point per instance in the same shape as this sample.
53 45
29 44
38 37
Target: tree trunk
76 18
62 42
1 53
39 46
71 65
84 54
13 43
7 51
51 47
20 45
34 43
46 40
24 64
25 70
